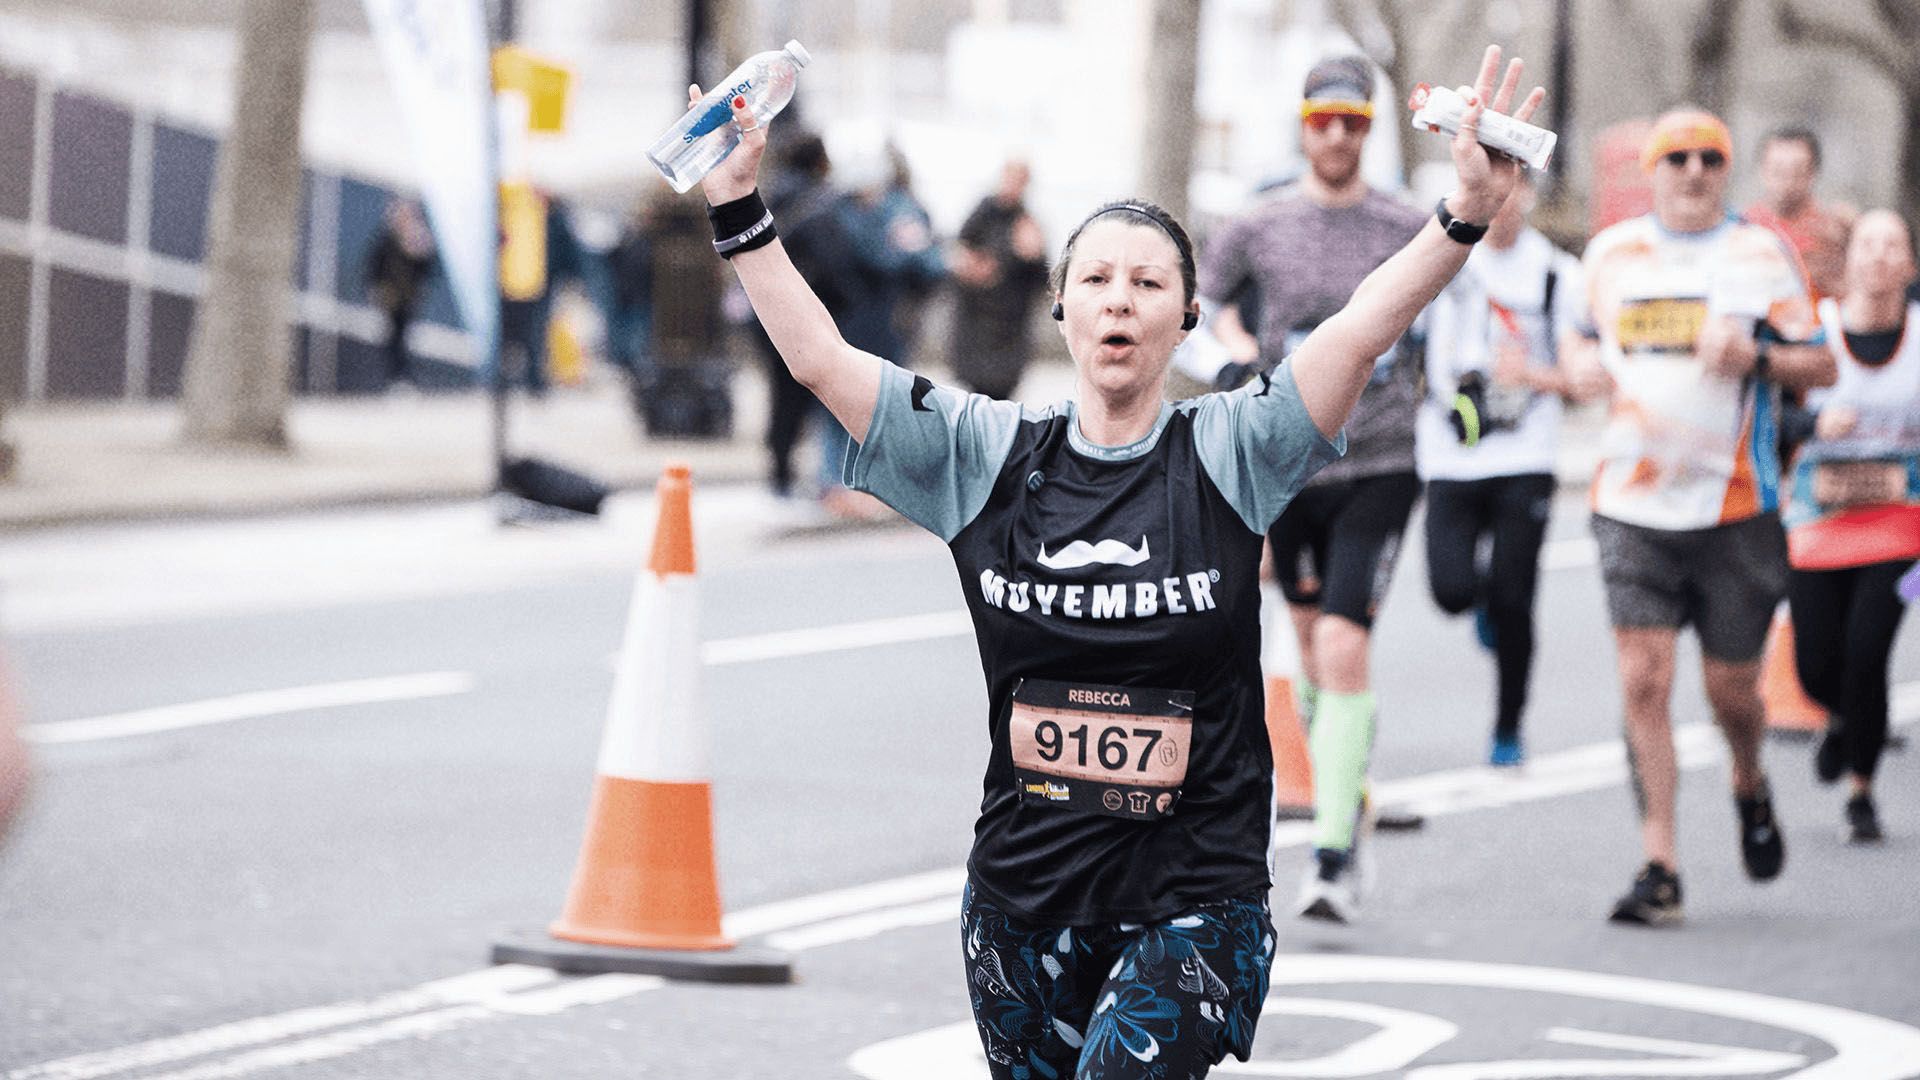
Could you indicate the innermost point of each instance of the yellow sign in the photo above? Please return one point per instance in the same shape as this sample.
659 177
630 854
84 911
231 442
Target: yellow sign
545 84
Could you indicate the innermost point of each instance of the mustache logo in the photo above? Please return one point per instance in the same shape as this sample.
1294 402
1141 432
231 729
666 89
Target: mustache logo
1080 553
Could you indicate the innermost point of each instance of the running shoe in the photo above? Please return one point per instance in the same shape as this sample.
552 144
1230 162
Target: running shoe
1762 850
1829 757
1654 899
1863 822
1330 891
1336 879
1507 753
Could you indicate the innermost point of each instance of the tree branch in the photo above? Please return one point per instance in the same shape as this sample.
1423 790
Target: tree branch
1902 15
1897 61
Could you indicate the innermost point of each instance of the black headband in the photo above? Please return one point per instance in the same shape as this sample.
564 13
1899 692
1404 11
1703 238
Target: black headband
1138 209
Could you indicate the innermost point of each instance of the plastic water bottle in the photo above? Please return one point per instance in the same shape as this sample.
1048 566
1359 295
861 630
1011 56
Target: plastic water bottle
705 136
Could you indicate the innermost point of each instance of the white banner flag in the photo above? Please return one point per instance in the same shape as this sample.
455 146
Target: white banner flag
438 61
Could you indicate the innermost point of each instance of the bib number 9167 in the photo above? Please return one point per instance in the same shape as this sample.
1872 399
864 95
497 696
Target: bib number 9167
1112 749
1115 750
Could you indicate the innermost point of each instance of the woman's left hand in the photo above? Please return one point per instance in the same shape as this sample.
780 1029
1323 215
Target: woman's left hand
1487 177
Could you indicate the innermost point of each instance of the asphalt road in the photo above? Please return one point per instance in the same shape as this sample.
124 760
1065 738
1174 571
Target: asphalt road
215 883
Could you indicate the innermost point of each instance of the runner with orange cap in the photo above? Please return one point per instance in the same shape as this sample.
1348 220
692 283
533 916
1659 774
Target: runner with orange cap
1699 320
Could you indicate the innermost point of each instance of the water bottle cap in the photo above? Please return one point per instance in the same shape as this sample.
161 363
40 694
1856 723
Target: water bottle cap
799 53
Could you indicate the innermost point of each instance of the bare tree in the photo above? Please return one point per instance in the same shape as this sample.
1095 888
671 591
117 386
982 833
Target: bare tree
1173 47
237 381
1709 48
1387 31
1887 44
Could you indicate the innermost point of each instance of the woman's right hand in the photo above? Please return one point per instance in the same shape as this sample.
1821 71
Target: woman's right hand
739 173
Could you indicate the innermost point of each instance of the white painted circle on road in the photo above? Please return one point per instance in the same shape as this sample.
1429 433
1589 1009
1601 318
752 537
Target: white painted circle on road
1865 1047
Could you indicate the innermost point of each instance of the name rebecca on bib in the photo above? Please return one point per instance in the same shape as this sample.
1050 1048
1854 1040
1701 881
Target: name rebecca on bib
1136 599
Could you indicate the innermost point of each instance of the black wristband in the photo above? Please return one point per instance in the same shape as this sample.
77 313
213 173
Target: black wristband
741 225
1457 230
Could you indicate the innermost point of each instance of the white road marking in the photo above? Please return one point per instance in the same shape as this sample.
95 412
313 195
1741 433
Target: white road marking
783 644
598 990
1403 1037
864 911
1569 553
1865 1047
870 924
856 900
472 986
252 706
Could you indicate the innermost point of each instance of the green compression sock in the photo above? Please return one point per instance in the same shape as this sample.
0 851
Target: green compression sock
1339 742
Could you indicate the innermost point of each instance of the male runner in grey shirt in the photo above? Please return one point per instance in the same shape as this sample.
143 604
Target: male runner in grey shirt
1303 252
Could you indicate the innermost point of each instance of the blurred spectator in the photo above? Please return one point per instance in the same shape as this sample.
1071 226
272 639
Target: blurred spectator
1000 268
397 267
805 204
1789 165
630 266
890 255
524 320
911 229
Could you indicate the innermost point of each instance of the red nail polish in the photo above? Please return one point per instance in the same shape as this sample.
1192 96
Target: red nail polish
739 102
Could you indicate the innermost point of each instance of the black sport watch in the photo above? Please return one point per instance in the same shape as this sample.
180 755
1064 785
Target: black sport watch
1458 230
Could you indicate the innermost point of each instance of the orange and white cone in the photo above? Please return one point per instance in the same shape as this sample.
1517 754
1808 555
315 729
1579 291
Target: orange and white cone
1789 709
1286 734
646 894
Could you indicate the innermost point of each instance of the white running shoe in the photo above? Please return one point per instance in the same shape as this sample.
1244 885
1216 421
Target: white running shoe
1329 890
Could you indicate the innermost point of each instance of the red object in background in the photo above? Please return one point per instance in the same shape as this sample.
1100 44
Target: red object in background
1621 189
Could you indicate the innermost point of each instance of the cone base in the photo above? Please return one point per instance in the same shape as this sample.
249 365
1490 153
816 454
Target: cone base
740 964
591 935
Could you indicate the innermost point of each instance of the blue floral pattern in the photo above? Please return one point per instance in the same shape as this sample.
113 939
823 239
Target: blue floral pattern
1161 1001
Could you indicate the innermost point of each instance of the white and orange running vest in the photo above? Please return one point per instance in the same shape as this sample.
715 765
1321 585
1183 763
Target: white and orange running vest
1685 448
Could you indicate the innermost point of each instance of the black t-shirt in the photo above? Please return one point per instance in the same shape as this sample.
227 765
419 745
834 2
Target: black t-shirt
1129 574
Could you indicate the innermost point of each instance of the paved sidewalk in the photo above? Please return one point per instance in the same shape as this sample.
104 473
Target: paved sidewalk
123 461
114 462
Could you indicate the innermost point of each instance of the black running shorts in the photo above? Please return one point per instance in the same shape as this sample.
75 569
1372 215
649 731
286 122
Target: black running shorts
1336 544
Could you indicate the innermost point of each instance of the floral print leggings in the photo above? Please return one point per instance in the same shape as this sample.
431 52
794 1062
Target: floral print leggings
1166 1000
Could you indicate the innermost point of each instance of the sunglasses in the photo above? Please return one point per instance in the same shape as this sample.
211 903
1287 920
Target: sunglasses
1709 159
1359 125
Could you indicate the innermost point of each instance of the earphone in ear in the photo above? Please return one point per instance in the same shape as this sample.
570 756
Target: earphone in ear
1059 313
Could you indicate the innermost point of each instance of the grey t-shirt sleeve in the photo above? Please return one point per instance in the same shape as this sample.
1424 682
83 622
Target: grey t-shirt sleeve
932 452
1260 447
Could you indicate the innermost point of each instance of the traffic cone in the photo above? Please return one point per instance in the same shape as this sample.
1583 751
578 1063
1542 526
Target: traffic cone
646 896
1286 734
1789 710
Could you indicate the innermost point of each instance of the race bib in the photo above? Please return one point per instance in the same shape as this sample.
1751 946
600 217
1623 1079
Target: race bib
1841 484
1115 750
1660 325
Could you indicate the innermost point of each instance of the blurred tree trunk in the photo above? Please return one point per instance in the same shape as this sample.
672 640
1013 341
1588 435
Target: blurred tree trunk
1709 47
237 381
1383 27
1173 49
1888 44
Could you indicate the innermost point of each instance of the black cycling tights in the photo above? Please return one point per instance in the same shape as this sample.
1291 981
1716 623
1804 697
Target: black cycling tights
1514 510
1844 622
